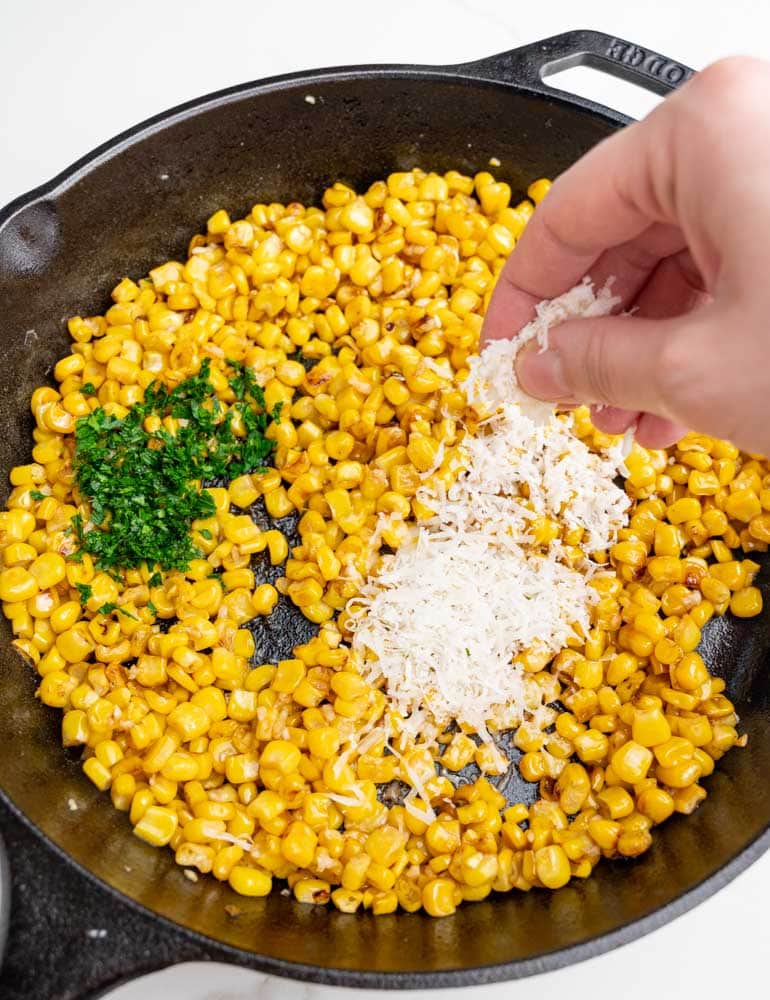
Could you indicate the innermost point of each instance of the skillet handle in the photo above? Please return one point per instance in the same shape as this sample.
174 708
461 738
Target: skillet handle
527 65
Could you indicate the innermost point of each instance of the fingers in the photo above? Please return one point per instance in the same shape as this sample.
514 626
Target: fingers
615 360
613 419
674 288
608 199
510 309
630 265
656 432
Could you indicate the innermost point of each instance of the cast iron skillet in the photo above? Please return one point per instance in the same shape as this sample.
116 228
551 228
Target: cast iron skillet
135 201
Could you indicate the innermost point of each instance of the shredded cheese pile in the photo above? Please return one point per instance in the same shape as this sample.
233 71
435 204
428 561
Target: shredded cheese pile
445 616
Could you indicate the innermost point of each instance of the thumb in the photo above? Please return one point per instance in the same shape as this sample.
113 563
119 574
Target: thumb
615 360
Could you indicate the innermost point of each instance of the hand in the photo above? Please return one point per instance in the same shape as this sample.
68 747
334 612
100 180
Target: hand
677 209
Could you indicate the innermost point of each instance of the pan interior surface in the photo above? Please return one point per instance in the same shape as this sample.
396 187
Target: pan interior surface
138 204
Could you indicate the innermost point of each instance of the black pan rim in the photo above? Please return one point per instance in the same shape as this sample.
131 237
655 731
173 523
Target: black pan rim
330 975
449 978
219 98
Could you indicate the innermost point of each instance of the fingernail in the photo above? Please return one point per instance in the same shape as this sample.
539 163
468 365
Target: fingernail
541 375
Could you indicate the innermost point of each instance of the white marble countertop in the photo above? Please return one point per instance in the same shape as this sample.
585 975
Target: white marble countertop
75 73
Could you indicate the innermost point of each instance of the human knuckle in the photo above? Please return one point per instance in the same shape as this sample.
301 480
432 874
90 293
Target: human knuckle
672 363
735 83
599 370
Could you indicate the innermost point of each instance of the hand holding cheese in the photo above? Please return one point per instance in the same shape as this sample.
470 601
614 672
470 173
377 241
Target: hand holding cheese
676 209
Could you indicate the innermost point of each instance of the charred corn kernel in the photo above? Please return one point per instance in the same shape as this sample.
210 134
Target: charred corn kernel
122 791
305 592
288 675
98 773
56 688
621 667
354 872
732 574
312 890
690 672
629 553
656 803
247 881
17 584
160 751
704 483
674 751
678 599
650 625
573 787
385 845
264 599
538 189
678 775
604 833
714 590
157 826
615 802
743 505
108 752
49 569
212 701
349 685
591 746
242 705
440 897
589 674
189 720
443 836
323 742
665 569
630 845
746 603
74 727
299 843
696 729
759 528
281 756
683 510
240 768
346 900
277 546
687 800
552 866
650 728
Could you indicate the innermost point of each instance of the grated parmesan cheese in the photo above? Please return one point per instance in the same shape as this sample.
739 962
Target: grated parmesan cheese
443 619
492 378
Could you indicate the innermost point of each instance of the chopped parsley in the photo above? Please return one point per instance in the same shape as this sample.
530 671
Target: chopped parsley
110 606
307 363
152 609
144 486
155 580
84 589
89 389
37 495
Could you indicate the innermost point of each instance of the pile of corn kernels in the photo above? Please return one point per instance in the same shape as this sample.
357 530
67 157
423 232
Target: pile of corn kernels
255 772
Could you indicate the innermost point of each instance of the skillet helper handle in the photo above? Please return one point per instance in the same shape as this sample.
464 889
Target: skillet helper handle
527 65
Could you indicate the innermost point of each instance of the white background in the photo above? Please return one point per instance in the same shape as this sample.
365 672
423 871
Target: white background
75 72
